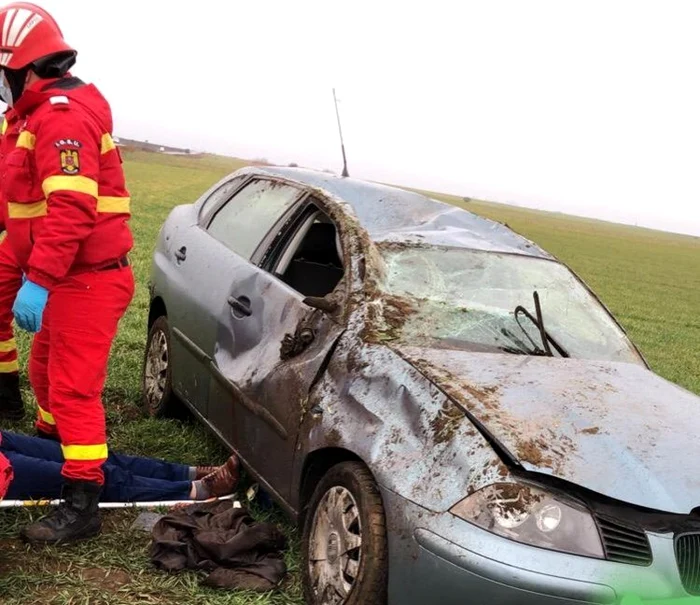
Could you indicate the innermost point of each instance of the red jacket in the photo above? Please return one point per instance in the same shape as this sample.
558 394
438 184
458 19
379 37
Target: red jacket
9 131
6 475
63 197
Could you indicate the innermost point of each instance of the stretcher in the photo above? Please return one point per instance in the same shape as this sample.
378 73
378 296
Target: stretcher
106 505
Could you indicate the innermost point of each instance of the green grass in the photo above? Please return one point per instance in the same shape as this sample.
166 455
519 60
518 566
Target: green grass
650 280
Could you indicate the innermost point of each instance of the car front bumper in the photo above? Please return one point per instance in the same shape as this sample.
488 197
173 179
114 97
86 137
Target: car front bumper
438 558
451 573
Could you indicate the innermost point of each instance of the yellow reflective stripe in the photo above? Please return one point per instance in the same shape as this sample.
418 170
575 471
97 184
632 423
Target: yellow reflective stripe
27 140
114 204
47 417
105 205
3 128
107 143
85 452
79 184
7 346
9 366
30 210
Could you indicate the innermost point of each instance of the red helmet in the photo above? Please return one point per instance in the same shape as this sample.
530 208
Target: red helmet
27 34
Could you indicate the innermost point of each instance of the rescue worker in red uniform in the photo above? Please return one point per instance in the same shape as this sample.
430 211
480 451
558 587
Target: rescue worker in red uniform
11 404
66 214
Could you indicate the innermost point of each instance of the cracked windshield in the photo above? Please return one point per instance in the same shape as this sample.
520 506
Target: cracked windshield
468 299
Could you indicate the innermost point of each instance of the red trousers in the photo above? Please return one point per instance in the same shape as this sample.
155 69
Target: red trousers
10 283
68 365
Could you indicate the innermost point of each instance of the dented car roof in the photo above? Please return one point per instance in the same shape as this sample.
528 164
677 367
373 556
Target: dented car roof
410 217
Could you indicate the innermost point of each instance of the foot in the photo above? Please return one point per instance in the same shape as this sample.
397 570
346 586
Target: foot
77 518
221 482
11 404
202 471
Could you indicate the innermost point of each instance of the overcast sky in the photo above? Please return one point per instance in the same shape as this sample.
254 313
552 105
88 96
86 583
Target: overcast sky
590 107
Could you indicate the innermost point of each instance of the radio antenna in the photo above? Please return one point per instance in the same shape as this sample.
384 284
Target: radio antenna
340 132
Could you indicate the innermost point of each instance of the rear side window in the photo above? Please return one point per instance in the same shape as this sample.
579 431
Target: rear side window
243 222
214 200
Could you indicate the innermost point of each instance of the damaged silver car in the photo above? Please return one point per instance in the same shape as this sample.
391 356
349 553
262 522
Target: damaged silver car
448 411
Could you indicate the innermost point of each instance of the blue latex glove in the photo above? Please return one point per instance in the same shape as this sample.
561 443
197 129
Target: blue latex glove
29 306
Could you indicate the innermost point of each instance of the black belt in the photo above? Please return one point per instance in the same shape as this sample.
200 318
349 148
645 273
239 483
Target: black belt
118 264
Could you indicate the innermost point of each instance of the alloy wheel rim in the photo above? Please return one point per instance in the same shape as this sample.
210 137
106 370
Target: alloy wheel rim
156 372
335 546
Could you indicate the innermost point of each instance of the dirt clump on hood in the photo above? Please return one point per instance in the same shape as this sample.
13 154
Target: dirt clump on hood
446 423
532 451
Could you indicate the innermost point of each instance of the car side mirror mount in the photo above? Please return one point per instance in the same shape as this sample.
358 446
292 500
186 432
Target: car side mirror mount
322 304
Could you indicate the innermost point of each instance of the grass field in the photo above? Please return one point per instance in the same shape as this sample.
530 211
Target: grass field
650 280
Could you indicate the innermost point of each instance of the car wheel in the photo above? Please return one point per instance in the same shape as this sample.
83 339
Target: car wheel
156 382
344 546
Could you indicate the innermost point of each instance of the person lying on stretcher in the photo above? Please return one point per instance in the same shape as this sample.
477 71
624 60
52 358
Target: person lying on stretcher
36 468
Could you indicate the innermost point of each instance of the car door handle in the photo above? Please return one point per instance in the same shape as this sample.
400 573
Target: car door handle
181 254
240 305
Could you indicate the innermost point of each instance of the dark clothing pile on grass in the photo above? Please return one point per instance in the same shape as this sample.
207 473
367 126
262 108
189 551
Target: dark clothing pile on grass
237 551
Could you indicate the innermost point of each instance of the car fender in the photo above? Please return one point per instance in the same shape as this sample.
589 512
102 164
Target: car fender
417 442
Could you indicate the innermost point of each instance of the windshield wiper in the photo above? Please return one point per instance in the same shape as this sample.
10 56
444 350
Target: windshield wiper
522 347
539 324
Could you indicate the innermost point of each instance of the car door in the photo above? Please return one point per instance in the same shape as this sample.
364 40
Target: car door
271 345
192 288
235 231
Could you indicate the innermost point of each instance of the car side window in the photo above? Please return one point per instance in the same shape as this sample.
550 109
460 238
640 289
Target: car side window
246 218
312 259
221 193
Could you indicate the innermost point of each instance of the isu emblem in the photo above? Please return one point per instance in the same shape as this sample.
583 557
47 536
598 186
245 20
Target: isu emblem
70 161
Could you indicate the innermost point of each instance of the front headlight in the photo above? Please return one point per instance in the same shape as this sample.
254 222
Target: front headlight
533 516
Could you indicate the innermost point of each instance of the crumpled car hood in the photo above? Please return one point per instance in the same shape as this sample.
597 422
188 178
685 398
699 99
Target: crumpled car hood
615 428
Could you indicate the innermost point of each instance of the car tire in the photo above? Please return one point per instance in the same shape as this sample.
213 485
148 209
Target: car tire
157 397
355 554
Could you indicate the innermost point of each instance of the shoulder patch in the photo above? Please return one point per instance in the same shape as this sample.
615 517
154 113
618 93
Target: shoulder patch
70 161
59 100
68 143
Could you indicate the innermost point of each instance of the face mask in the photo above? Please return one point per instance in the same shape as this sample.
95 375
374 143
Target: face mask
5 90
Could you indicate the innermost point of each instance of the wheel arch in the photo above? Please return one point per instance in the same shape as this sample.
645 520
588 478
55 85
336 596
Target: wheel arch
316 465
156 310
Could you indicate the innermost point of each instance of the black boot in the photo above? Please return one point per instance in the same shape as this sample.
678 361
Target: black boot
75 519
11 404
